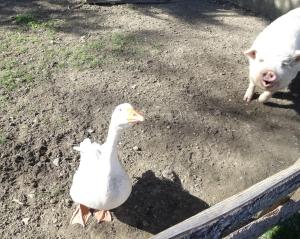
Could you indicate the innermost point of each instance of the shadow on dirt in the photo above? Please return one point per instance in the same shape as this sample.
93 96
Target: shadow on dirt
188 11
73 13
156 204
10 8
292 95
69 15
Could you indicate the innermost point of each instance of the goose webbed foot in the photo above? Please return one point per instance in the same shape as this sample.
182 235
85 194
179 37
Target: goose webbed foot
81 215
103 216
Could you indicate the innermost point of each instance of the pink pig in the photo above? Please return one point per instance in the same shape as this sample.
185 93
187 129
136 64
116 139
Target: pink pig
274 58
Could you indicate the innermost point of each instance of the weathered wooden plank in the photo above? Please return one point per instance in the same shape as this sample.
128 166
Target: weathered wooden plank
238 209
259 226
127 1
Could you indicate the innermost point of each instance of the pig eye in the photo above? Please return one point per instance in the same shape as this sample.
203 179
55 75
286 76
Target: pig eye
261 60
285 63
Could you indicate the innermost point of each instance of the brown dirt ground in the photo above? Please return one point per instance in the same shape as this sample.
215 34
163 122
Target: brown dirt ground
200 142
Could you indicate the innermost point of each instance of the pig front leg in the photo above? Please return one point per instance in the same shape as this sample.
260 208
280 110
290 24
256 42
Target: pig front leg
265 96
250 91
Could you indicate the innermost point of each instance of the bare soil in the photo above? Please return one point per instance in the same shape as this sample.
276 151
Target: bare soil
182 66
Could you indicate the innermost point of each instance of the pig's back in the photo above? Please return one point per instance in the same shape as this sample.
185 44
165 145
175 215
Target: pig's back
282 36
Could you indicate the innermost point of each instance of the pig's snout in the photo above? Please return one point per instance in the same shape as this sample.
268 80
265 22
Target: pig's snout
269 75
268 78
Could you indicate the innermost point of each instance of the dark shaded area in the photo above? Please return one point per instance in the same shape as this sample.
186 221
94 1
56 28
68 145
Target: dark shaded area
86 16
112 2
69 14
267 8
190 11
290 229
156 204
293 95
10 8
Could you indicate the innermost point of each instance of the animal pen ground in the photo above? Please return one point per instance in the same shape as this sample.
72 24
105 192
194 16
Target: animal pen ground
65 66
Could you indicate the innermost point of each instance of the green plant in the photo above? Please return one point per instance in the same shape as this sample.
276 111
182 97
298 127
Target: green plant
3 100
89 55
31 21
11 78
2 138
26 19
121 42
132 6
118 41
289 229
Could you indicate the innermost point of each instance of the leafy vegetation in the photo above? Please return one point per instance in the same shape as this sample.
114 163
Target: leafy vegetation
2 138
26 19
289 229
88 55
31 21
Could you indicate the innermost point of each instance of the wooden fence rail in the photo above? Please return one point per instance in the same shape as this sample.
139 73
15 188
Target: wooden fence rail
237 211
257 227
127 1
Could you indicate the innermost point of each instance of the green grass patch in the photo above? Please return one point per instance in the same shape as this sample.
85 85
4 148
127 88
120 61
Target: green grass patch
11 78
121 43
30 56
2 138
26 19
132 6
31 21
289 229
18 66
3 100
118 42
81 56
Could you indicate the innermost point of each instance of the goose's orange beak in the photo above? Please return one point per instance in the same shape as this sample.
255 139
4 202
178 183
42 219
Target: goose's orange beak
134 116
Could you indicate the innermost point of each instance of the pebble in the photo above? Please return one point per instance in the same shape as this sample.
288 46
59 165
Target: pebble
30 195
12 124
136 148
68 202
34 184
56 162
168 174
35 121
145 223
18 201
26 220
53 201
149 61
90 130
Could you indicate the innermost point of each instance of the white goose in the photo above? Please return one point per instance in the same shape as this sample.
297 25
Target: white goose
100 182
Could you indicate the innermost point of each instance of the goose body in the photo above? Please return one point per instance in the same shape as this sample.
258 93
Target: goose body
100 182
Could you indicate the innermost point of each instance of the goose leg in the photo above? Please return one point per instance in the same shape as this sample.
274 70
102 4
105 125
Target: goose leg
81 215
103 216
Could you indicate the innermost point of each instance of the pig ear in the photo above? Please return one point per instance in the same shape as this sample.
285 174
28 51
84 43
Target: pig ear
297 56
250 53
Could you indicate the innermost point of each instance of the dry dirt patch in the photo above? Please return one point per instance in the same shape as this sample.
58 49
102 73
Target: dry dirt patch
63 70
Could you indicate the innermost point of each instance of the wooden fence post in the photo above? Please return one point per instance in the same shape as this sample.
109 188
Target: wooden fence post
225 217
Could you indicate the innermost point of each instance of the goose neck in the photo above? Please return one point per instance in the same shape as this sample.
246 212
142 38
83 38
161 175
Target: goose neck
113 136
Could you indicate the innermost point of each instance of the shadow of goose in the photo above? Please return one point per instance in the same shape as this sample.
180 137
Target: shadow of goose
156 204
